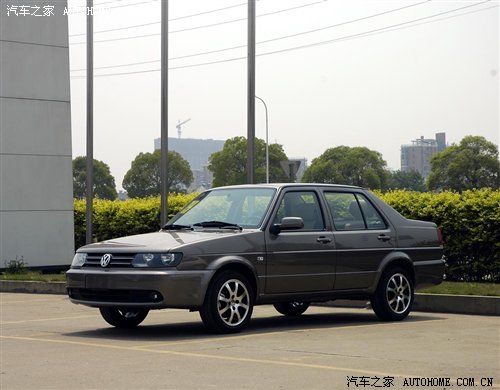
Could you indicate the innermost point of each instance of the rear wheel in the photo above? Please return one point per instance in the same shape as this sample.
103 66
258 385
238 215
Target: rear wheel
123 317
228 304
393 299
291 309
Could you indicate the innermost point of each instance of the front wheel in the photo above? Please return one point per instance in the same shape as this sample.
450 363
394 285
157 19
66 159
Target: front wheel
393 298
228 304
291 309
123 317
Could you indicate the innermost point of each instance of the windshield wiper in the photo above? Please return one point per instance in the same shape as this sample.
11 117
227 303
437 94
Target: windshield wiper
218 224
174 226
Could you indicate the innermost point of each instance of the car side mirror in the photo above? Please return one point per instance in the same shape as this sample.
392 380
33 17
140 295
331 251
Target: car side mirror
287 223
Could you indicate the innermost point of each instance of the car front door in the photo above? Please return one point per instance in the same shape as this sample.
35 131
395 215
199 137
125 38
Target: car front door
363 239
301 260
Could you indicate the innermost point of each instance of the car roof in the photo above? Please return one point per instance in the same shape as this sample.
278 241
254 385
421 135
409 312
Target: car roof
286 185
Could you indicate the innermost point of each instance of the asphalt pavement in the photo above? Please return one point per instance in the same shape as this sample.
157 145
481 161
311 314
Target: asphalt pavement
49 343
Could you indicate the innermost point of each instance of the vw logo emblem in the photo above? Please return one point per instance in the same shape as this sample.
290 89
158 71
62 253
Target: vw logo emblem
105 259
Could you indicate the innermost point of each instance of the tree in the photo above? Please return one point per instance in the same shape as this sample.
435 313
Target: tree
104 182
471 164
229 165
357 166
410 180
143 178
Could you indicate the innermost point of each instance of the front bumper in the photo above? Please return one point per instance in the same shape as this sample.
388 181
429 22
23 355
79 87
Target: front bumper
152 289
429 273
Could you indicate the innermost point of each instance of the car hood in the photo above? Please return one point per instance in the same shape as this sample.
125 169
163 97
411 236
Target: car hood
161 241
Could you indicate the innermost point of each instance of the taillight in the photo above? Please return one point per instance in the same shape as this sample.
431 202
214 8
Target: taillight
440 237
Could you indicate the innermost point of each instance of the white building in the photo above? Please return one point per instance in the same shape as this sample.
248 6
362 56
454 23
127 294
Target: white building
36 194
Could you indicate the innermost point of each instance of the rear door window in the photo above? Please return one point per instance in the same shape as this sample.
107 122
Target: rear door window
352 211
373 219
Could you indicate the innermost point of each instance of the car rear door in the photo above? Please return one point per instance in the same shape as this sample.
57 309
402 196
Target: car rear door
362 236
300 260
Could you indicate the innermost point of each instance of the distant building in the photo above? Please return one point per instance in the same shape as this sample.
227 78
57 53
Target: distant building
122 195
417 155
294 168
302 169
196 152
202 179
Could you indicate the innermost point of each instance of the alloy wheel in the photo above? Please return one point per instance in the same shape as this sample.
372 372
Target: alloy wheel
233 302
398 293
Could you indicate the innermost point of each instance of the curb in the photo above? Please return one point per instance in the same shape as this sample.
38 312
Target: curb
461 304
439 303
18 286
432 303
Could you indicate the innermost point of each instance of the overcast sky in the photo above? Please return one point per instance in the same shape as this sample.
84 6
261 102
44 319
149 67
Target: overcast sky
372 73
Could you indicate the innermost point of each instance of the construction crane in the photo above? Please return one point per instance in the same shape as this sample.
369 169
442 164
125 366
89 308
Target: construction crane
178 126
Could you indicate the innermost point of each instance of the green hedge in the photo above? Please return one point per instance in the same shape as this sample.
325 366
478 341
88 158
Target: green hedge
114 218
470 223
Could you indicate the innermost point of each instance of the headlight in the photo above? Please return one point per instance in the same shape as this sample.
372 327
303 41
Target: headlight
79 259
156 260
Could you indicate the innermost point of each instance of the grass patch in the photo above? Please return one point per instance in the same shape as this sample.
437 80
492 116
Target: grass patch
35 276
464 288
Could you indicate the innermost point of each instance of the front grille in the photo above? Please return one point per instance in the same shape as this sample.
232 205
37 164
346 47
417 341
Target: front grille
118 296
119 260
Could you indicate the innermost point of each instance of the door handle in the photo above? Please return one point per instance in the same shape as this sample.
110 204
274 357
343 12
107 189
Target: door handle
324 240
383 237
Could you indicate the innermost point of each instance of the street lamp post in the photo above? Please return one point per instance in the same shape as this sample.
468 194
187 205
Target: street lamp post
251 94
90 124
164 115
267 140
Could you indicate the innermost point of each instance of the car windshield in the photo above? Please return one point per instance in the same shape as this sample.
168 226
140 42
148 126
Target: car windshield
238 207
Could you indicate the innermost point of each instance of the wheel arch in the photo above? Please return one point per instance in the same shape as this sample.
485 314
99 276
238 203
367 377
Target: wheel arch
238 264
395 259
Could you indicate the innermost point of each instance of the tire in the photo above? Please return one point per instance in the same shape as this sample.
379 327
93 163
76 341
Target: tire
123 317
291 309
393 298
228 303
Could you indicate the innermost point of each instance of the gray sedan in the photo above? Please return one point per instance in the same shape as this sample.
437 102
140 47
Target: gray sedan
283 244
